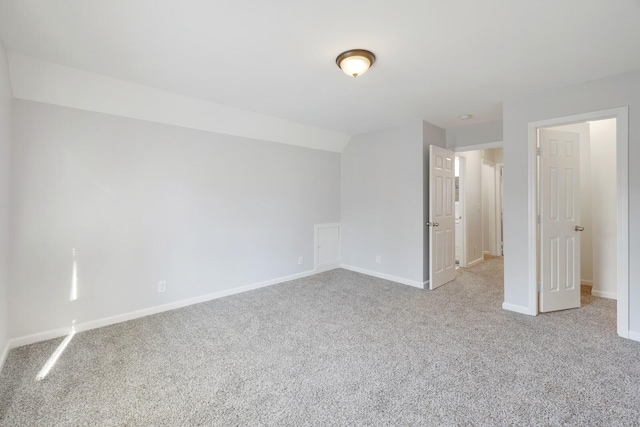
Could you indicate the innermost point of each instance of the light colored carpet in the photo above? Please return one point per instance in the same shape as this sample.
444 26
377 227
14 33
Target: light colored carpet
338 348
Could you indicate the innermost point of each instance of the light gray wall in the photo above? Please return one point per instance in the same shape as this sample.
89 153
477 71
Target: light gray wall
605 212
481 133
431 135
141 202
5 168
382 202
618 91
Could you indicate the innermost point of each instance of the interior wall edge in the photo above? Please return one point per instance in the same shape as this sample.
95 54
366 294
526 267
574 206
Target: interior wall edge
521 309
124 317
602 294
3 356
633 335
49 83
389 277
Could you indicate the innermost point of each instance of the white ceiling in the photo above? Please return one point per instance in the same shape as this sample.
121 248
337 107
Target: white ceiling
436 59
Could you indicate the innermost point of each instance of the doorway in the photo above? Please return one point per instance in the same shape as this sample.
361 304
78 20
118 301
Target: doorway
460 253
479 204
538 192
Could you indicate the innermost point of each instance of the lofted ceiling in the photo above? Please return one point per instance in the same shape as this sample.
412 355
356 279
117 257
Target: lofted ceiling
436 60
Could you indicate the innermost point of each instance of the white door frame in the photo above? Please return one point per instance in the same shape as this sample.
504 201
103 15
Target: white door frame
622 181
491 249
462 203
499 208
478 147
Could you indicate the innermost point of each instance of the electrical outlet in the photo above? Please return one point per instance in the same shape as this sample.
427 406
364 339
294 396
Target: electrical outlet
378 259
162 286
300 260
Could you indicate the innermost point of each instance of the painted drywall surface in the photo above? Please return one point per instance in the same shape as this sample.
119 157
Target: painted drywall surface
494 155
603 185
5 168
382 202
431 135
42 81
473 205
586 196
613 92
489 155
482 133
489 208
127 203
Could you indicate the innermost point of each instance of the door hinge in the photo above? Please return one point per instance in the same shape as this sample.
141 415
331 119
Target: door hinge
539 287
539 151
538 219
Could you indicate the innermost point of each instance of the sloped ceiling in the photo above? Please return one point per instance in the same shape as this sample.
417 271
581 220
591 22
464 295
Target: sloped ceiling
436 59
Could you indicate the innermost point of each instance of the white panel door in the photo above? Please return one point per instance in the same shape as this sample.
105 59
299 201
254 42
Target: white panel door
442 246
559 220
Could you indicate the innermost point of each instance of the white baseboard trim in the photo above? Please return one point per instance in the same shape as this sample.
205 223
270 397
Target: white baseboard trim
601 294
518 309
475 262
98 323
408 282
3 356
633 335
327 267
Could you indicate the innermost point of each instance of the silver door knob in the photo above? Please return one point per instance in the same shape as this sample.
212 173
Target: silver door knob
578 228
432 224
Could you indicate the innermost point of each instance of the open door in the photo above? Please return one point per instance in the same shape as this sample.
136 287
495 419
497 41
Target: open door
559 172
442 247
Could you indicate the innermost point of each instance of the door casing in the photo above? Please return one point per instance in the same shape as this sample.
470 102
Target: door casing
484 146
622 181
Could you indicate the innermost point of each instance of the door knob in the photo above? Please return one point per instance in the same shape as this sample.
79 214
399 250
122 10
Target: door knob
432 224
578 228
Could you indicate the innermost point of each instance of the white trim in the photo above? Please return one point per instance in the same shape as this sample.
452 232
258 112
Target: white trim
532 223
41 81
462 207
476 147
633 335
316 228
408 282
621 115
3 356
601 294
327 267
60 332
475 262
622 182
518 309
499 202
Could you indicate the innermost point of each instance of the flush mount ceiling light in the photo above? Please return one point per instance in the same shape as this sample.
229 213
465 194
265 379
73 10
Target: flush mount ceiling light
465 117
355 62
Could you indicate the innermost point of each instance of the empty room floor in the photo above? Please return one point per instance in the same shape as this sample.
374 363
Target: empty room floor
337 348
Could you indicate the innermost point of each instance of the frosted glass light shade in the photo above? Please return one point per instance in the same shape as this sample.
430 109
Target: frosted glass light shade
355 62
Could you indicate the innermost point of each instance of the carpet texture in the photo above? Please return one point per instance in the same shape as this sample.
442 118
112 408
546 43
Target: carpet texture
338 348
